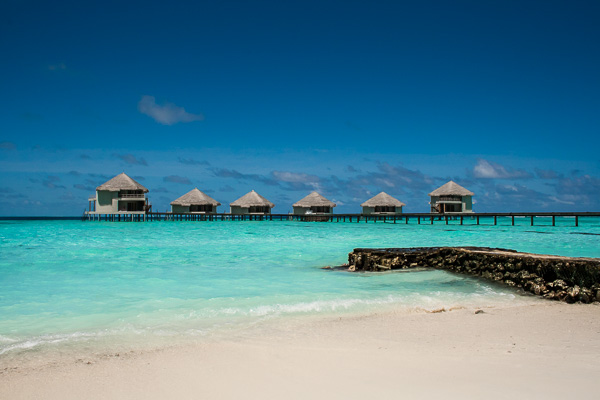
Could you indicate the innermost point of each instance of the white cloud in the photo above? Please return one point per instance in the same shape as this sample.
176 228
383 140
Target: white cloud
287 176
490 170
167 114
563 201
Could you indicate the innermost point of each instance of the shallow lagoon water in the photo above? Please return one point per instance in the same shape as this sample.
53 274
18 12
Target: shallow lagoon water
66 283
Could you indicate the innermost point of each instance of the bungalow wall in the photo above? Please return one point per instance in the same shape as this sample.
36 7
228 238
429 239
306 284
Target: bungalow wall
180 209
466 203
107 202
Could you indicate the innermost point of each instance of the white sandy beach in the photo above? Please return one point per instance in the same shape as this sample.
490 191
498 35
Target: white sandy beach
548 351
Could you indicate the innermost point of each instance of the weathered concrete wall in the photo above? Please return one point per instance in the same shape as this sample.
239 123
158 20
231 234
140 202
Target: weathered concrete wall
558 278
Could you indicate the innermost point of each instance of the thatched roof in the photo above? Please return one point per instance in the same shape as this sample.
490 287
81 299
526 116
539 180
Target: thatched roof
382 200
121 182
314 200
451 189
252 199
195 197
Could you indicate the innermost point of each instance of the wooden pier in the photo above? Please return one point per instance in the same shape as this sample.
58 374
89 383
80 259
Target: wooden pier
507 219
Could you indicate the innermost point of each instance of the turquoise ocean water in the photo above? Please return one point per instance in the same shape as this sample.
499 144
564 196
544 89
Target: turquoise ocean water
65 284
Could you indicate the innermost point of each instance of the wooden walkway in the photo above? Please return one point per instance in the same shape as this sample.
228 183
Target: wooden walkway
545 218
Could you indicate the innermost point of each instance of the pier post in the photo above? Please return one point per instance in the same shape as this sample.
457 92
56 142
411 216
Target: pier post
419 220
432 220
553 220
478 220
513 220
577 220
461 219
446 220
495 220
532 220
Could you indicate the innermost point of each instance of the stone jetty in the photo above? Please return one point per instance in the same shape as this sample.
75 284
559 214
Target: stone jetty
552 277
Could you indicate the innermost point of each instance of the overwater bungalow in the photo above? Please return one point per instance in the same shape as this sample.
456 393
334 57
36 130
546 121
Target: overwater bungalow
251 203
451 198
382 204
120 195
314 203
195 202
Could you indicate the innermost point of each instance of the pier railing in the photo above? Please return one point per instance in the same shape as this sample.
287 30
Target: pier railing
505 218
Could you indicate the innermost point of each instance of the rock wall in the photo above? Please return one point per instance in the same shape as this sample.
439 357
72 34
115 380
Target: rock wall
553 277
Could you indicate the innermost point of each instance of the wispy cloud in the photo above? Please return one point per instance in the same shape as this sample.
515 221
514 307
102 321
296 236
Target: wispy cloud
131 159
166 114
57 67
297 181
51 182
287 176
84 187
583 189
518 196
226 189
490 170
177 179
8 146
231 173
190 161
547 174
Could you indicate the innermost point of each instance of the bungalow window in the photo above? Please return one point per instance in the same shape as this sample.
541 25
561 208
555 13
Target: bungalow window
259 209
131 206
383 209
450 198
201 208
321 209
452 207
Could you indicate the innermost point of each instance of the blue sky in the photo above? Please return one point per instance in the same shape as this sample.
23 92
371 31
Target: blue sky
349 98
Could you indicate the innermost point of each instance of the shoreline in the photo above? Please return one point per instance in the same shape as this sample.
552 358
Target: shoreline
533 351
